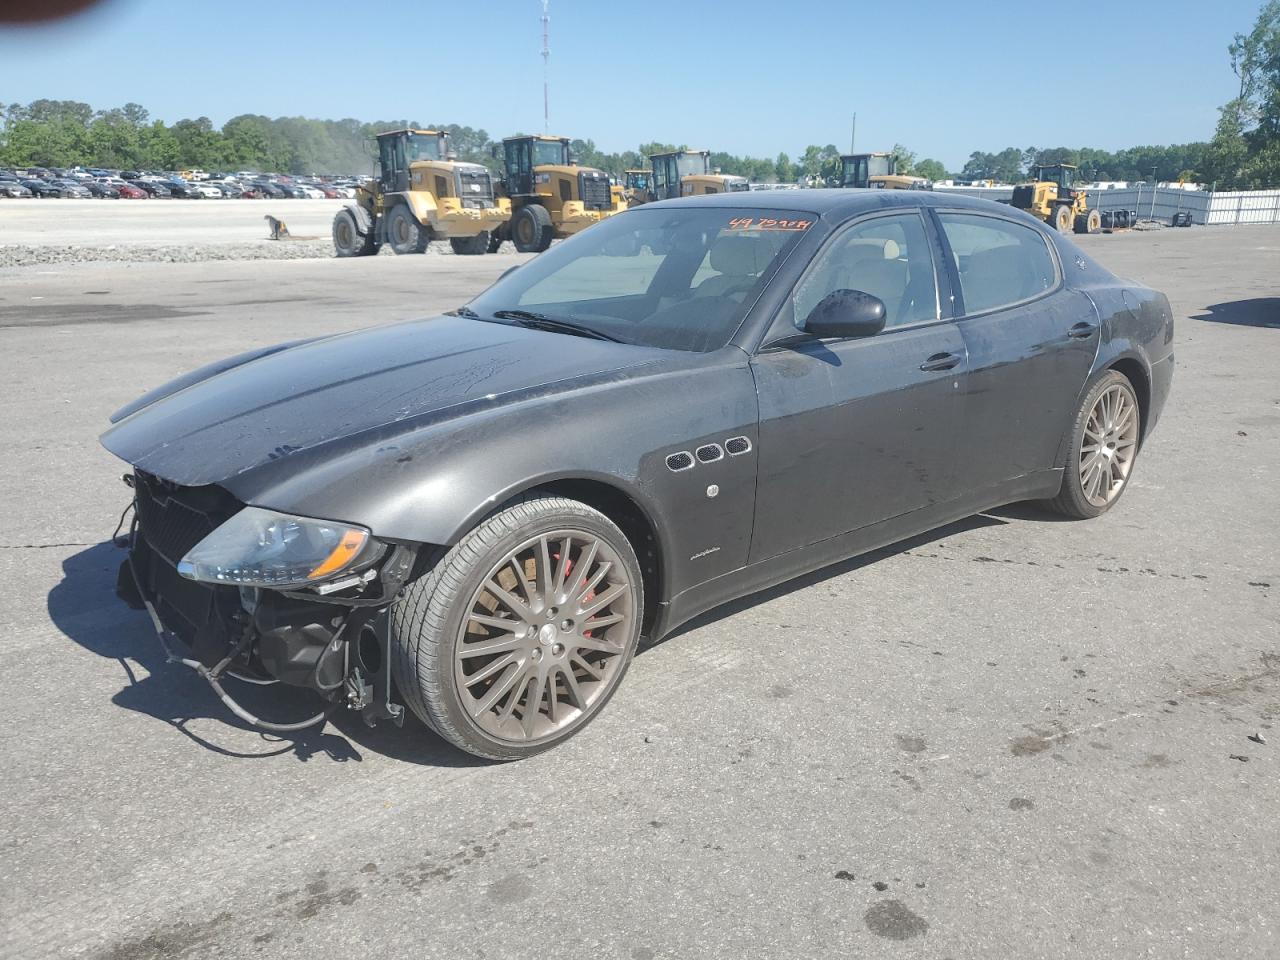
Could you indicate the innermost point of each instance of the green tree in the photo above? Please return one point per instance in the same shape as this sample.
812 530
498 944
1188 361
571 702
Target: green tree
785 169
906 160
931 169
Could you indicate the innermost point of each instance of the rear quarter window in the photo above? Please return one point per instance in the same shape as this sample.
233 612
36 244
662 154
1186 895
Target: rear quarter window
1000 263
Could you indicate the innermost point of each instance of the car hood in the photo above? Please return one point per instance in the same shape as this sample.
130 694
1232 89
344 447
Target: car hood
348 391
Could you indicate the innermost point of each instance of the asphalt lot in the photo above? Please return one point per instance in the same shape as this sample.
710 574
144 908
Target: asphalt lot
1012 738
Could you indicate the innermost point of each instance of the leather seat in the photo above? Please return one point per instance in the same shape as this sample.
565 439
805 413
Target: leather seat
738 262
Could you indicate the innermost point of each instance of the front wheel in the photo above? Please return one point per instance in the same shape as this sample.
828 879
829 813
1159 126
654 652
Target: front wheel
519 634
404 233
531 228
1101 450
1062 218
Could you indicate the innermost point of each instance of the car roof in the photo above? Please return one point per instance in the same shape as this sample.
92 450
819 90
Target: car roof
839 204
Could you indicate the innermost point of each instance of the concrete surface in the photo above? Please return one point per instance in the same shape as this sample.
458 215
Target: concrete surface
150 221
1012 738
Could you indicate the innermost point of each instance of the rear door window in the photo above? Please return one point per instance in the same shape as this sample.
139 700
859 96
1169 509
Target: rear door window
1000 263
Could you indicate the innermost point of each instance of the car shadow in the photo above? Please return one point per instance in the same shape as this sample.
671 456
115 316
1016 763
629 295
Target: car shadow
84 607
1254 312
975 522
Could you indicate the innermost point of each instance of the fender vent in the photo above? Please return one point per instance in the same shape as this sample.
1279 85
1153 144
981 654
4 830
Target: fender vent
678 462
709 453
737 446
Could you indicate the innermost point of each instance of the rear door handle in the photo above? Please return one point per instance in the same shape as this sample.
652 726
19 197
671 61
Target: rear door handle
941 361
1082 331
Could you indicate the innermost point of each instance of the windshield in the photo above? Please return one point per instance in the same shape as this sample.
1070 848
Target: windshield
677 279
422 147
548 153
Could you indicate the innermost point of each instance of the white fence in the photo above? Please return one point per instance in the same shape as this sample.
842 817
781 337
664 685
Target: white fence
1161 203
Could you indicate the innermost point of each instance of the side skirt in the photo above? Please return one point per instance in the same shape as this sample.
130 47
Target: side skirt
796 563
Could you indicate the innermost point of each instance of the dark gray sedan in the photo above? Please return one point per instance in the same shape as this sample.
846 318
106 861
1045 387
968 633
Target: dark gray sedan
684 404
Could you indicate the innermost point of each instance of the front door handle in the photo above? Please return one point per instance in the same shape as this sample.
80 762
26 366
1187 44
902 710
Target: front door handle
1082 331
941 361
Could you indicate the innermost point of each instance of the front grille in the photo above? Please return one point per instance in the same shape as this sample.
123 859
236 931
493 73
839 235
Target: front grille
475 188
593 186
173 518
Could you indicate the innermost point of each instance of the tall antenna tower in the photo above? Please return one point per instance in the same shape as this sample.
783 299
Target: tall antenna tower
546 69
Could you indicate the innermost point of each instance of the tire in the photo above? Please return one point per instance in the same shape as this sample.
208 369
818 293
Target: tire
495 241
447 690
1061 219
348 241
1080 224
1093 222
471 246
404 233
1074 499
531 228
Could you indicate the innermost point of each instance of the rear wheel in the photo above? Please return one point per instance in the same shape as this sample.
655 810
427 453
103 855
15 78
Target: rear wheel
347 239
1061 220
1093 222
1102 448
520 633
404 233
531 228
471 246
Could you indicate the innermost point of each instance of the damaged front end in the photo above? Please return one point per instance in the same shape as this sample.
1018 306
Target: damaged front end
235 591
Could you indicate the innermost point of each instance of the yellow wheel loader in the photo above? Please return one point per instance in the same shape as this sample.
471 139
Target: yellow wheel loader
1053 198
877 171
637 187
688 173
422 193
551 197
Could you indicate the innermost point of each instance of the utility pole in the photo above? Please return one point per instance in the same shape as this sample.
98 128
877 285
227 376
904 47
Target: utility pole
546 69
853 135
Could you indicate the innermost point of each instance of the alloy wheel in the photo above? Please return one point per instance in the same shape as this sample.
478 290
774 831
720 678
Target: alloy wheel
544 639
1108 445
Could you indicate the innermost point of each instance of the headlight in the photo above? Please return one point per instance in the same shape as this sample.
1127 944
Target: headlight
262 548
542 178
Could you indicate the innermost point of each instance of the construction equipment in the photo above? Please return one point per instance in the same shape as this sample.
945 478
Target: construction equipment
637 187
551 197
877 171
422 193
1051 196
687 173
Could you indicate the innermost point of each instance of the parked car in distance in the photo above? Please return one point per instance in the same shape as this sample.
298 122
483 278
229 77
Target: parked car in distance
71 189
14 189
183 190
741 388
153 188
129 191
102 189
208 190
40 188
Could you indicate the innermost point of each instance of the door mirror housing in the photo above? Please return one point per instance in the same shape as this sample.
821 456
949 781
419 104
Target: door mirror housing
846 313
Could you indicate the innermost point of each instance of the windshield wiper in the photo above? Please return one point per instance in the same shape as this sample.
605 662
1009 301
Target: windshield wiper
540 321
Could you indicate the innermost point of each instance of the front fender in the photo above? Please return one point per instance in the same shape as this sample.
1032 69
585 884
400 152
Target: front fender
434 484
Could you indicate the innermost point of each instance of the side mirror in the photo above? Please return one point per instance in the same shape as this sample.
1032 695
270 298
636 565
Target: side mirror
846 313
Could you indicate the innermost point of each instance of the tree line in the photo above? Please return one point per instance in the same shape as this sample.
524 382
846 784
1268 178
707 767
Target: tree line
1244 152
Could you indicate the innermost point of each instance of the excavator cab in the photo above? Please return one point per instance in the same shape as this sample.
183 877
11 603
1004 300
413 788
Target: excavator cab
857 169
399 148
1062 175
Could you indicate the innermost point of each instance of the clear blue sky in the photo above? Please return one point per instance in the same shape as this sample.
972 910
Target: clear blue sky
750 77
